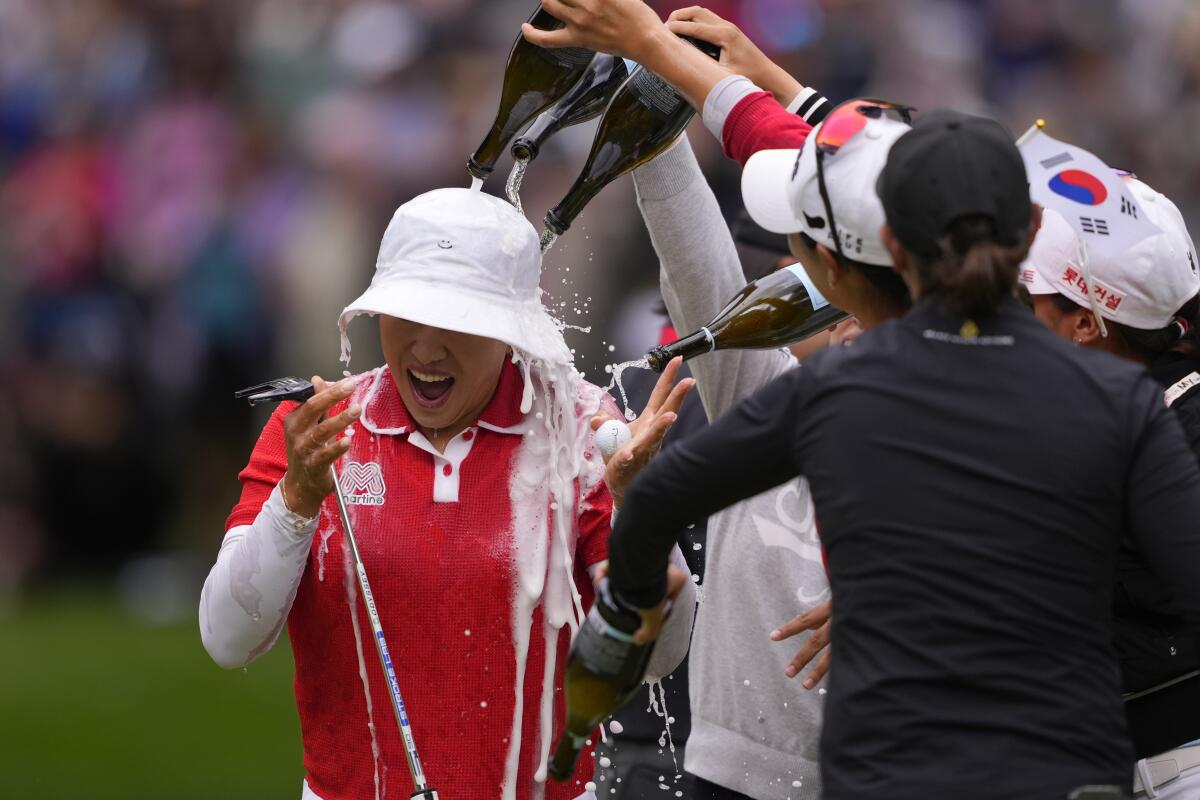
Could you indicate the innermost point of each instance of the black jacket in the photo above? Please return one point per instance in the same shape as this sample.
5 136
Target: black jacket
1155 645
639 722
973 484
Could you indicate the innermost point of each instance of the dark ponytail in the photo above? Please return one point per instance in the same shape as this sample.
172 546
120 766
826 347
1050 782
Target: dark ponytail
975 274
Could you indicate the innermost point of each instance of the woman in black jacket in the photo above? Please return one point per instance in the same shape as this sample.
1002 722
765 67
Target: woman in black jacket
1145 312
974 475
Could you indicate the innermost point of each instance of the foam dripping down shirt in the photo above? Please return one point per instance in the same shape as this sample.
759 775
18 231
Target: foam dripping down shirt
438 536
973 484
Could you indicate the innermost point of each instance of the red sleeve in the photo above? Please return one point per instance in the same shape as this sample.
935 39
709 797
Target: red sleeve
267 464
758 122
595 524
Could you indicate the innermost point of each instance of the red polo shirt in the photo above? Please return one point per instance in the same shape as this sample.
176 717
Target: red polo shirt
435 533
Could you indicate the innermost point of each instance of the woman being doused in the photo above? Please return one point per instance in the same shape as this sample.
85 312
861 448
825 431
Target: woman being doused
480 506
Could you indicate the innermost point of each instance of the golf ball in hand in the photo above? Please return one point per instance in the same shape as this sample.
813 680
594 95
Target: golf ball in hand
611 437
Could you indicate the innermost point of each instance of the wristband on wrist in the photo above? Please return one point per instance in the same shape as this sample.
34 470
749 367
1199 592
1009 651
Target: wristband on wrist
810 106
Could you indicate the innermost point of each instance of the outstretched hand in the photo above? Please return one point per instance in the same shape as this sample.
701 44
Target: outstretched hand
738 53
313 443
818 620
631 29
620 27
647 431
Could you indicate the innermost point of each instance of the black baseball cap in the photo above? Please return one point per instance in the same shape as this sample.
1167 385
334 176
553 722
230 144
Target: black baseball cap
952 165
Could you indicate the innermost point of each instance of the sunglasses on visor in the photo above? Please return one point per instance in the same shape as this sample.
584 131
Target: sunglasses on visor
840 126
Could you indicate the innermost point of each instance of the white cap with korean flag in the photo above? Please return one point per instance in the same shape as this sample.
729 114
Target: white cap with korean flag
1106 231
1142 287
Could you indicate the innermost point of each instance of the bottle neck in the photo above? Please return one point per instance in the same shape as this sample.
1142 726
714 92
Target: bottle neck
530 143
558 219
620 616
690 346
477 169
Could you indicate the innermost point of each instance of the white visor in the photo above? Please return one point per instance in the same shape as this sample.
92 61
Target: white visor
767 190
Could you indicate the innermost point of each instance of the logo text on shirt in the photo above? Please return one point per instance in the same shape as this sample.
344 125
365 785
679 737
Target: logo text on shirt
362 484
976 340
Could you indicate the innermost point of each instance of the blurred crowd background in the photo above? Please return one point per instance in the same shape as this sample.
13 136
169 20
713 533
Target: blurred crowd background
191 190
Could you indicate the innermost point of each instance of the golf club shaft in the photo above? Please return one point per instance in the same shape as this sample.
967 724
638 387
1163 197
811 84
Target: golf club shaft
385 658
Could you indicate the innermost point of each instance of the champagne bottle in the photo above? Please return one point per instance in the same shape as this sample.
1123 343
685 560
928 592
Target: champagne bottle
644 117
534 78
776 310
603 671
586 100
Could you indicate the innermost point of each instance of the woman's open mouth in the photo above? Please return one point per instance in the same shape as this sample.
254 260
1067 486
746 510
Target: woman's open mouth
430 388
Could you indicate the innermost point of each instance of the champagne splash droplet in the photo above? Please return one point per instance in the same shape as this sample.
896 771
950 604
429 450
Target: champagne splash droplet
617 371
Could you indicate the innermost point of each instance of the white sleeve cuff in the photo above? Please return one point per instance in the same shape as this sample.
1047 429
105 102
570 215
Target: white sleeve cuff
284 519
723 98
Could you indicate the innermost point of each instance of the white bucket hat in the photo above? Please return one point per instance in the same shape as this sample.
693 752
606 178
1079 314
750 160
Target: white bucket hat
1142 287
464 261
781 192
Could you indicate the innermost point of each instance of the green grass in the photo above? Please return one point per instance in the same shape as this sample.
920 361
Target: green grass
96 705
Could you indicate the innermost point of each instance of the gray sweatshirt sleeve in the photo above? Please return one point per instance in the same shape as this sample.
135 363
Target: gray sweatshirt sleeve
700 272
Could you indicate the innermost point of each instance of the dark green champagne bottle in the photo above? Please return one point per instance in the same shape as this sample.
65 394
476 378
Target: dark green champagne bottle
776 310
643 119
603 671
586 100
534 78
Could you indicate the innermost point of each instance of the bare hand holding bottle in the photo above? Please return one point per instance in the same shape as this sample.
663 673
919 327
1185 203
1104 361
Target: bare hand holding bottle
739 54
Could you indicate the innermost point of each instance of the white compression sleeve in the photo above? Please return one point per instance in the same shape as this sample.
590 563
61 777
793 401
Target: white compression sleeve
249 591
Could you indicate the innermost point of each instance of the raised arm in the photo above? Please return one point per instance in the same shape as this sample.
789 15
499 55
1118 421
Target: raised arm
250 589
740 114
699 272
631 29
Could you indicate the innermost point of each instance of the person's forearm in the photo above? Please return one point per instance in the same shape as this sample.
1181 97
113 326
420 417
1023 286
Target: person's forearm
699 272
782 86
250 590
680 64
